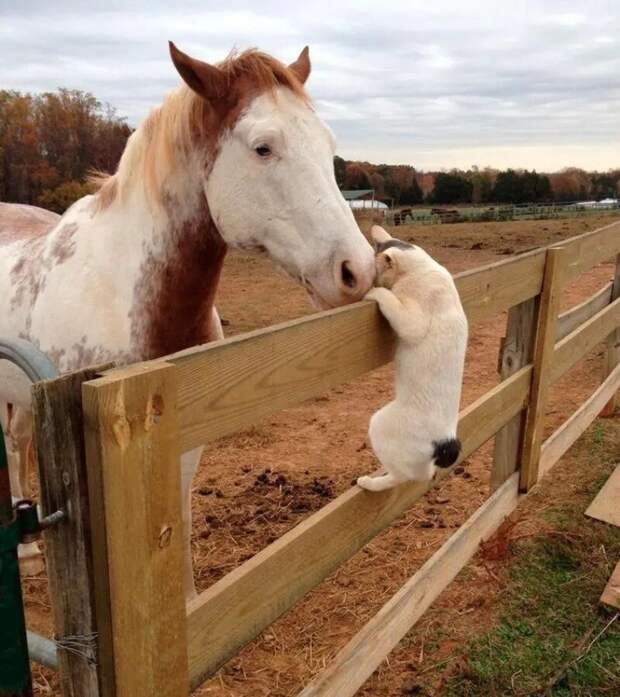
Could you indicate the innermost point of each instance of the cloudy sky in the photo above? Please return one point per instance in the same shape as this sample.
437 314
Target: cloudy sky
436 84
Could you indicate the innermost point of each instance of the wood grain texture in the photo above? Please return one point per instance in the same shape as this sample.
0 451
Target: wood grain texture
238 607
612 353
58 439
561 440
591 248
234 383
611 593
516 352
582 340
237 382
544 343
606 504
571 319
358 660
132 450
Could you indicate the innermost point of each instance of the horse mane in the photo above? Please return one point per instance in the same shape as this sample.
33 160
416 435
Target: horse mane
180 124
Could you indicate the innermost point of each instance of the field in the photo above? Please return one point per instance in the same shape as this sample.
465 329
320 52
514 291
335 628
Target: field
254 486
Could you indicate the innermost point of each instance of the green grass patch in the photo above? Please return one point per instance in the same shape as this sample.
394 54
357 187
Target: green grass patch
553 638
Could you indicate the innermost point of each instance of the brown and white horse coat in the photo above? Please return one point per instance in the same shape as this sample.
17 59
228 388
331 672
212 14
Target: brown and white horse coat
236 156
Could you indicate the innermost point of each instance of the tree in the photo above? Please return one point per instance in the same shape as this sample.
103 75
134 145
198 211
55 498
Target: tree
357 177
55 139
412 195
604 185
63 196
451 187
482 185
340 170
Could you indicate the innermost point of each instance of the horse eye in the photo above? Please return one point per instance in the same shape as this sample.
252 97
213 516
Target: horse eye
263 151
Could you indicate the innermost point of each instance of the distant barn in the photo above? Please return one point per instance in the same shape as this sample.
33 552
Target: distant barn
363 198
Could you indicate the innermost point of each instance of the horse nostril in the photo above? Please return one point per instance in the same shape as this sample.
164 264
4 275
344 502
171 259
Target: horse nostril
348 277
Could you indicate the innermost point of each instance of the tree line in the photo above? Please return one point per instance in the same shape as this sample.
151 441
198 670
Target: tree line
50 142
404 185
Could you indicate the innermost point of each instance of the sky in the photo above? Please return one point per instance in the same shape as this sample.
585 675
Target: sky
434 84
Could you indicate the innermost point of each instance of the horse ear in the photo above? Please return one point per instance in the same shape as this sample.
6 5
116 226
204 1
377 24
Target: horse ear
206 80
301 67
379 235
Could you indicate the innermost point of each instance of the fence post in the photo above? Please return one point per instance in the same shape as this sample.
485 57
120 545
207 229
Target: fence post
59 444
132 456
516 351
555 266
612 352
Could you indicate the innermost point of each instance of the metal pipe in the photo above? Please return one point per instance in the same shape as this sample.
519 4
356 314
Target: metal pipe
15 678
42 650
24 355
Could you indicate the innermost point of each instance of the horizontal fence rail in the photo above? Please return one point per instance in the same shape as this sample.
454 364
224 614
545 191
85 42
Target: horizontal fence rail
232 384
238 607
359 659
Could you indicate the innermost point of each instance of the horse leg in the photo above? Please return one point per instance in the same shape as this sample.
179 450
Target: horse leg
189 465
17 424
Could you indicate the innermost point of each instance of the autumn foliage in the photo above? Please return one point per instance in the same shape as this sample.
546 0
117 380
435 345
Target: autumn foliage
50 142
404 185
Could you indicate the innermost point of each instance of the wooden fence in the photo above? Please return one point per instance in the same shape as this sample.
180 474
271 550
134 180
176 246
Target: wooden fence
109 440
500 212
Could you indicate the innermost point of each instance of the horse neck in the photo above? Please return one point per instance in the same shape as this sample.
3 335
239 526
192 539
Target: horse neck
177 273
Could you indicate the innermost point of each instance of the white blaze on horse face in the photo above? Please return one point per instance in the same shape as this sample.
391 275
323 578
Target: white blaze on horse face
272 188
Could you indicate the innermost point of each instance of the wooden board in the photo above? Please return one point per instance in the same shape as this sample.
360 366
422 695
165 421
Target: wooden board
58 437
134 485
516 352
591 248
232 384
611 594
571 319
358 660
544 344
606 505
582 340
238 607
274 580
237 382
561 440
612 352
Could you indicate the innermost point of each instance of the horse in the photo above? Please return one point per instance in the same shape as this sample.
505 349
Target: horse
235 157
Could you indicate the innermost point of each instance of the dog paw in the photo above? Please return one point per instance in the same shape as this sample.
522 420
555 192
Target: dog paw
374 294
366 483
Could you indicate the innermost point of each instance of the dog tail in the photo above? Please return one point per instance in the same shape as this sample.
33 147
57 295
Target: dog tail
446 451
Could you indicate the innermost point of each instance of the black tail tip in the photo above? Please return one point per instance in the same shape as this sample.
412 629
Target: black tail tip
446 451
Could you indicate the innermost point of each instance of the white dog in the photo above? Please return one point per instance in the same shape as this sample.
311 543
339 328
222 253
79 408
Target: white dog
417 431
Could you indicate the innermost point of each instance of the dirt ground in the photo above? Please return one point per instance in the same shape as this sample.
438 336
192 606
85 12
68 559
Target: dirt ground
255 485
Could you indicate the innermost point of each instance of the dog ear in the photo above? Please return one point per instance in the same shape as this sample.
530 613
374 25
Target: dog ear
379 235
388 260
